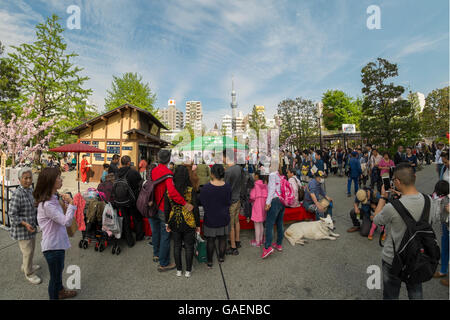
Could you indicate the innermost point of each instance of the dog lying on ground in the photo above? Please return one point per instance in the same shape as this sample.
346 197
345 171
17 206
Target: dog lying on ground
315 230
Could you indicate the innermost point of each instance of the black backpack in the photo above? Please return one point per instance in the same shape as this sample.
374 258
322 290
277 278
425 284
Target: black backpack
418 255
122 192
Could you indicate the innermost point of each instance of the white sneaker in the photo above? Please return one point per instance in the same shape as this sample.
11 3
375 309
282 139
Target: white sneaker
34 268
34 279
187 274
179 273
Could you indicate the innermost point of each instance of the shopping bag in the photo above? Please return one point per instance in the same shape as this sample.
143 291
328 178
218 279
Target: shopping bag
200 248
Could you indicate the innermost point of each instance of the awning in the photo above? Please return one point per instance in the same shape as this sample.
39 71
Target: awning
148 136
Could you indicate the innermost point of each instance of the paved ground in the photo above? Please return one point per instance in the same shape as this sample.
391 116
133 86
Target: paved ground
319 270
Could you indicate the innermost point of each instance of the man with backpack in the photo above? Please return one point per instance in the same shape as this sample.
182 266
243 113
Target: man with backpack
125 192
403 218
160 236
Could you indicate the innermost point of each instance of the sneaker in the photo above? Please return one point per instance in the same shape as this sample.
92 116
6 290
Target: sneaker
266 252
187 274
34 268
179 273
254 243
34 279
277 247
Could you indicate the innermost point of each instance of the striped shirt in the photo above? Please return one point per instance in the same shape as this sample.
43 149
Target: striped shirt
21 208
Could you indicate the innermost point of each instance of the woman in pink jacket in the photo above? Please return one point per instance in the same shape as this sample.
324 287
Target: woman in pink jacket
258 197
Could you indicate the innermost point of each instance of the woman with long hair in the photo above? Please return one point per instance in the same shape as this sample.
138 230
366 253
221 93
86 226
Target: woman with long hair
53 223
181 222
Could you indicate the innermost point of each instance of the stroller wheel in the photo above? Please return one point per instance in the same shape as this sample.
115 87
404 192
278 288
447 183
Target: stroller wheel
118 250
85 244
96 246
101 248
113 251
80 244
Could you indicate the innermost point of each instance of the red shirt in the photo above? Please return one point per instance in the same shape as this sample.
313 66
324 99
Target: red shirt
142 165
168 185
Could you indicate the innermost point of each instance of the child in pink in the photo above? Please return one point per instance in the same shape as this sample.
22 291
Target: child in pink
258 197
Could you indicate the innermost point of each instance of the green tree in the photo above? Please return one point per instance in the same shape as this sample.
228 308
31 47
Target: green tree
257 121
298 117
130 89
339 108
387 119
434 119
9 86
48 75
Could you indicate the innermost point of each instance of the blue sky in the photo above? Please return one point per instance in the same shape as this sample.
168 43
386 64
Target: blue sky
275 49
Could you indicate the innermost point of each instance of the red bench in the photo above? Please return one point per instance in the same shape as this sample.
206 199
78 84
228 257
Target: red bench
290 215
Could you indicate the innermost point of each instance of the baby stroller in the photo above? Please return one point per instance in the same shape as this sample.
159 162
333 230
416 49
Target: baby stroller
94 215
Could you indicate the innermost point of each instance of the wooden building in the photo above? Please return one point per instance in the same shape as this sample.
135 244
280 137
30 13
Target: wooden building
126 130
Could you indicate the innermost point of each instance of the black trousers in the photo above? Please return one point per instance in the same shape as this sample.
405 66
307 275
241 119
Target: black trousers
188 239
211 244
127 213
366 222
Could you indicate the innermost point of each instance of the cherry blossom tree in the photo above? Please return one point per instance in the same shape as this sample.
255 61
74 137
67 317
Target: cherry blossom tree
18 137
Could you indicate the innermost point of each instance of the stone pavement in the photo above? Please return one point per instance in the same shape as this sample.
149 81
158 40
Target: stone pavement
319 270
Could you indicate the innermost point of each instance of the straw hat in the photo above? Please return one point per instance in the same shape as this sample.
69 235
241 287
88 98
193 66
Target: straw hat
361 195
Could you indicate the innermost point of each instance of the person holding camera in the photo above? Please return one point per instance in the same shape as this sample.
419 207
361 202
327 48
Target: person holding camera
53 223
385 214
23 217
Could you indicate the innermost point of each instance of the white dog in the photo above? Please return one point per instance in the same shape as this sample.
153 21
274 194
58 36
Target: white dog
315 230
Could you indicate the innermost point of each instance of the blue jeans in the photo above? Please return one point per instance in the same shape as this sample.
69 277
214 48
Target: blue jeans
392 285
311 207
444 249
349 184
160 240
55 261
274 216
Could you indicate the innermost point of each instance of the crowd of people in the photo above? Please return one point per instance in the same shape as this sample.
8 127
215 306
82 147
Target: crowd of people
218 193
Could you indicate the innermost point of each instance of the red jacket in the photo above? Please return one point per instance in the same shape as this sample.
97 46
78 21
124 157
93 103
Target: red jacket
168 185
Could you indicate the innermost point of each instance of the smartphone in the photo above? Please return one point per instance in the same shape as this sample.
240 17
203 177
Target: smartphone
70 194
387 184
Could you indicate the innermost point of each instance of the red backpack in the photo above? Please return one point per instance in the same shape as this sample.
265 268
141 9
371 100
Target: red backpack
287 196
146 203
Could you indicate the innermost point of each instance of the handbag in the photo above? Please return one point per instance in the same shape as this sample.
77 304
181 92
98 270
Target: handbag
73 227
200 248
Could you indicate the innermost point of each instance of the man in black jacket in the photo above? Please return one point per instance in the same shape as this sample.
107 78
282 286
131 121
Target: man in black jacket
133 179
399 156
